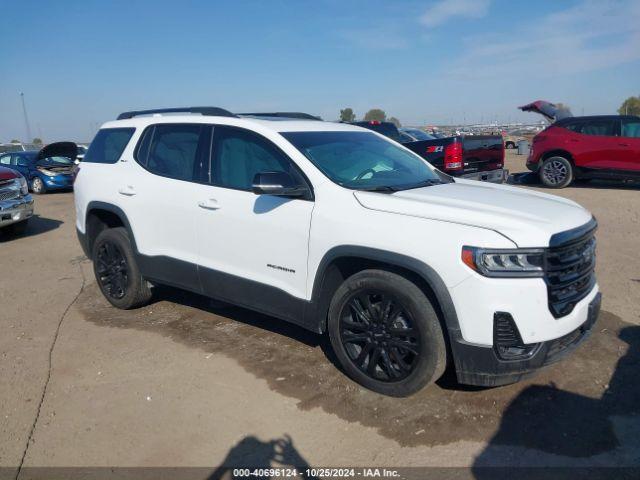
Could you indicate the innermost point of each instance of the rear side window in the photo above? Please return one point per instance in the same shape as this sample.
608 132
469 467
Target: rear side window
631 128
177 151
600 128
108 145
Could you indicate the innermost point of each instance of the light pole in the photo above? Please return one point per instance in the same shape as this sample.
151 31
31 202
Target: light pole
26 118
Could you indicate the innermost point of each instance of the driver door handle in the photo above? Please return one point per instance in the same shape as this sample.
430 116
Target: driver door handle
209 204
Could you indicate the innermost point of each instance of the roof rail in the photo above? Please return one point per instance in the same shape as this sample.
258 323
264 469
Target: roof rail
209 111
298 115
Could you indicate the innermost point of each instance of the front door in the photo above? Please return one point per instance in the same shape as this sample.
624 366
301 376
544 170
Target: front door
253 248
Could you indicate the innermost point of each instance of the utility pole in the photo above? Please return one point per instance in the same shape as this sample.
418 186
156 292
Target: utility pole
26 119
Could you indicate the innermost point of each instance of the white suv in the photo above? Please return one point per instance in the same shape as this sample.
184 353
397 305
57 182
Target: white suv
341 231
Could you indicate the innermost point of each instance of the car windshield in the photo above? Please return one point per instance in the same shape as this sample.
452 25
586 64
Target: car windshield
364 161
58 161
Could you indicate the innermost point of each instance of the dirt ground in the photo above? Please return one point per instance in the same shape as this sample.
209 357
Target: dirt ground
183 382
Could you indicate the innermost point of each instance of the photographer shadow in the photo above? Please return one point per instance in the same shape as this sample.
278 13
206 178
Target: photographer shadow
544 418
252 453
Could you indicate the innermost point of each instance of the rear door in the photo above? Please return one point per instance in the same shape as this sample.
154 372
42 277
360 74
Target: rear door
168 163
629 144
594 143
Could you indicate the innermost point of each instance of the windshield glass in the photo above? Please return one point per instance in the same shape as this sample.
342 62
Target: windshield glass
58 161
364 161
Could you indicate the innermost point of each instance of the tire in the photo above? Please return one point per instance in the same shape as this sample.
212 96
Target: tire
116 270
37 186
556 172
16 229
510 145
367 316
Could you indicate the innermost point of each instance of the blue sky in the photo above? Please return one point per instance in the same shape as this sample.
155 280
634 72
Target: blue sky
80 63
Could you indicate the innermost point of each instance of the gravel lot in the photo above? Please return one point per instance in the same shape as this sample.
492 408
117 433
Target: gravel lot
183 383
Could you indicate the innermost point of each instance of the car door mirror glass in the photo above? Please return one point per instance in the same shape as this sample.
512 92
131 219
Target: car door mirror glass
277 183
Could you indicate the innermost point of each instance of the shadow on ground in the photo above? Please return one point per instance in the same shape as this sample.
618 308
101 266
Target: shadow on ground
252 453
36 226
563 410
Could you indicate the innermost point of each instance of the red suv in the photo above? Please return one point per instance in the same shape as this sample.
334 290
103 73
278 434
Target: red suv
603 146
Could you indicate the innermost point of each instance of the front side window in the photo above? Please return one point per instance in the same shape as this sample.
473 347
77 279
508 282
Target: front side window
174 150
239 154
364 161
5 160
108 145
631 128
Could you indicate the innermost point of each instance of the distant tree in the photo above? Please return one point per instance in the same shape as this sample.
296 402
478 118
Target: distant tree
15 141
347 115
631 106
375 114
37 141
395 121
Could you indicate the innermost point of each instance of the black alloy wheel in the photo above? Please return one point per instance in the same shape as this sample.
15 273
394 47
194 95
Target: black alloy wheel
112 270
379 336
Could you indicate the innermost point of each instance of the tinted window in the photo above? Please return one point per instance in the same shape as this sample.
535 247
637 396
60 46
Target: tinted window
598 127
239 154
631 128
108 145
362 160
174 151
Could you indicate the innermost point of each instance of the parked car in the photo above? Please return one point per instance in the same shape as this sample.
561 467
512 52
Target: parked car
344 232
511 140
477 157
583 148
51 168
16 205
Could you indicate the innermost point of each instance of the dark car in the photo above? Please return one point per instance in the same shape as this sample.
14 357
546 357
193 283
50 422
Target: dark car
477 157
599 146
51 168
16 205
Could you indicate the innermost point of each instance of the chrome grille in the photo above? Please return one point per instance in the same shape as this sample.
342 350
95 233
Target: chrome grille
570 270
9 193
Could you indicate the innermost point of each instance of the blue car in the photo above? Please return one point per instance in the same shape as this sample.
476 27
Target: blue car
51 168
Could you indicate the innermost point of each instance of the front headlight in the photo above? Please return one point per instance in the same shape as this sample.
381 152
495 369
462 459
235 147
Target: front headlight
24 186
528 262
48 173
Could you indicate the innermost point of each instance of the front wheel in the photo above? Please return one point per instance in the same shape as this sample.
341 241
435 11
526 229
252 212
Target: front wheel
37 186
556 172
117 271
386 334
510 145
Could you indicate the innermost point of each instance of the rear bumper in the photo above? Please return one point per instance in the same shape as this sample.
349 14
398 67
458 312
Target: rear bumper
493 176
478 365
15 210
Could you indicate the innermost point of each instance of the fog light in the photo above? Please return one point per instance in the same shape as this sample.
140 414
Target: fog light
507 341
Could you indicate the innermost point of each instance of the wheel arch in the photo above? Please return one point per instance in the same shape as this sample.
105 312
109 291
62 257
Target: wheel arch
341 262
558 153
100 216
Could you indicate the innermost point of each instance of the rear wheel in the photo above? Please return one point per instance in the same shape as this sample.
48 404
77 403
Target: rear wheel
509 145
117 271
386 333
37 186
556 172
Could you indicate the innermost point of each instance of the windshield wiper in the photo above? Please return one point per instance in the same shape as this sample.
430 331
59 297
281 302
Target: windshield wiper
424 183
379 188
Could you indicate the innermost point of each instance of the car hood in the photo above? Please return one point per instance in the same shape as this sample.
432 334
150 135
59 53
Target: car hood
526 217
550 111
7 173
58 149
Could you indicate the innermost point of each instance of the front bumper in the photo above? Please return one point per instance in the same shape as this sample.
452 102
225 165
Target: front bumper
58 182
494 176
15 210
480 365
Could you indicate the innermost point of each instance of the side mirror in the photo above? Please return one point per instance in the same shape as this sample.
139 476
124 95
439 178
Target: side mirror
278 183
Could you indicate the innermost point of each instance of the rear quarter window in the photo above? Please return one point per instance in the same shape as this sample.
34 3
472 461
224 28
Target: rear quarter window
108 145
